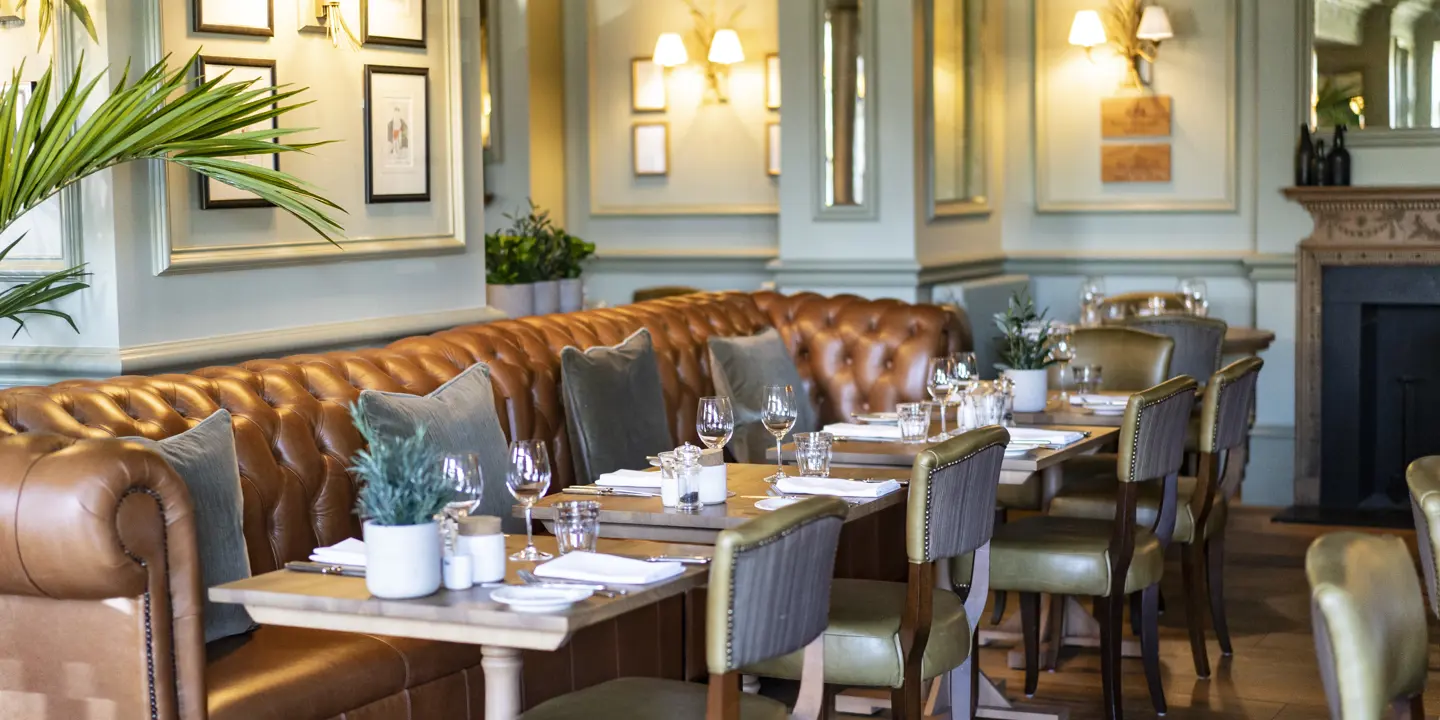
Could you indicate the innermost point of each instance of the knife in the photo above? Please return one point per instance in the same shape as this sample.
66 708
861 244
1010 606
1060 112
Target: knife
682 559
592 490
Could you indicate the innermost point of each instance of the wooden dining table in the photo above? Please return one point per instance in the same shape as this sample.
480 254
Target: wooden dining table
333 602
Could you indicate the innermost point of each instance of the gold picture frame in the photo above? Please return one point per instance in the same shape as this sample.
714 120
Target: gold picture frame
772 149
650 149
647 86
772 81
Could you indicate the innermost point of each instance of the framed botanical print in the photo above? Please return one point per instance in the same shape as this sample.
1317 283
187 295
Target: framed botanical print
261 74
393 22
650 149
647 86
772 81
772 149
397 134
235 17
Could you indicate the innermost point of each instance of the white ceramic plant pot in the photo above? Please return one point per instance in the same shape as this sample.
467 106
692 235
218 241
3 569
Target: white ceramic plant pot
402 561
515 301
547 297
1030 389
572 295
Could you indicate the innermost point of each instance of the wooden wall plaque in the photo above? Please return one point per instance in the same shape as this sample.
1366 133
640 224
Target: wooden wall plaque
1135 163
1135 116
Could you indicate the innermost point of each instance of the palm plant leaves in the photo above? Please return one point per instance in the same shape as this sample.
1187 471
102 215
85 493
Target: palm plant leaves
24 299
77 7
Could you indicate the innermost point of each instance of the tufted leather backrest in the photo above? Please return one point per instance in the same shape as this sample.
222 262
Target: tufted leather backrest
294 438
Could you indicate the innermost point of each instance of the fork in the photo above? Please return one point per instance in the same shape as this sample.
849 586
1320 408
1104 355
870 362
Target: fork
531 578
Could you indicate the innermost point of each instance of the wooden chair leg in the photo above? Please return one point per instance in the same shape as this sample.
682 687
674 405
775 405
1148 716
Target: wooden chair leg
1417 707
1111 621
1215 578
1135 614
1150 644
997 613
1192 566
1030 627
907 702
723 699
1056 638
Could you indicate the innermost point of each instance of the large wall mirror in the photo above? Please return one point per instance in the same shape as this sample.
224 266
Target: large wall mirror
489 81
847 101
954 97
1373 67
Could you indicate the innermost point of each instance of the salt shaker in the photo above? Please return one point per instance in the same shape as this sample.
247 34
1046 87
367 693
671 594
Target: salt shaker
687 475
481 539
669 482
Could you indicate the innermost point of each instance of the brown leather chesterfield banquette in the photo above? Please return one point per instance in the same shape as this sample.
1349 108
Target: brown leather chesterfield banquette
100 593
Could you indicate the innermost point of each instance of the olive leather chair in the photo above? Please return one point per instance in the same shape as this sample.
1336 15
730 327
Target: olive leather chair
1423 477
769 590
1369 623
898 635
1129 359
1224 423
1108 559
1198 341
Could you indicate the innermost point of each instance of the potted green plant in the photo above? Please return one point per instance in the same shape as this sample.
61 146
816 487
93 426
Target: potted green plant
510 274
402 490
577 251
1024 346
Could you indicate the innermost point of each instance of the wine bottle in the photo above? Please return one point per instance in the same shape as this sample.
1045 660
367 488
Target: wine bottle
1339 160
1304 158
1319 168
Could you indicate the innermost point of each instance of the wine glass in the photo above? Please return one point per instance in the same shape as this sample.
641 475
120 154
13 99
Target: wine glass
528 478
462 472
1192 292
1062 351
964 371
715 421
940 382
777 414
1092 291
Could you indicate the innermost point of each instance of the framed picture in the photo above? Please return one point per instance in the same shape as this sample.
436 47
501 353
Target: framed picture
772 81
393 22
213 193
650 149
772 149
235 17
647 86
397 134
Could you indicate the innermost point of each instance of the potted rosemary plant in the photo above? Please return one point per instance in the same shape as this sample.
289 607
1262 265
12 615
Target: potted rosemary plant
402 490
510 274
1025 352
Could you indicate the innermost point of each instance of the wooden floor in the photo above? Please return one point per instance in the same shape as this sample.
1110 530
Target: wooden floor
1272 675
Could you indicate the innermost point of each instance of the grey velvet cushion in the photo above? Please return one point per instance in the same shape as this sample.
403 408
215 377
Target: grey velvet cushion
741 368
459 417
204 457
614 407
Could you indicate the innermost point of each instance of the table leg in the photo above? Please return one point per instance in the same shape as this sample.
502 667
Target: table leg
502 682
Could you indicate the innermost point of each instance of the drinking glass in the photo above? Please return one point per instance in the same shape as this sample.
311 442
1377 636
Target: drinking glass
1087 379
1062 350
1092 291
777 414
1091 316
1192 292
577 525
462 472
715 421
940 382
914 421
528 478
1154 305
812 453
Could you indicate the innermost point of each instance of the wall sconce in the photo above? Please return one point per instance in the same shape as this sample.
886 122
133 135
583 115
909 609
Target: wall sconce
1135 29
326 16
12 13
721 45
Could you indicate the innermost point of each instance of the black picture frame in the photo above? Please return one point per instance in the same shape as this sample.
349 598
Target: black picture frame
207 202
367 38
371 196
198 11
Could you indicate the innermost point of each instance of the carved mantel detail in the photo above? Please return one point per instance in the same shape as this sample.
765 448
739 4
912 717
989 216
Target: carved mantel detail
1353 226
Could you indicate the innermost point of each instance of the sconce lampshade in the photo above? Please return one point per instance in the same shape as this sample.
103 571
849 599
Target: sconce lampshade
725 48
1087 31
1154 24
670 50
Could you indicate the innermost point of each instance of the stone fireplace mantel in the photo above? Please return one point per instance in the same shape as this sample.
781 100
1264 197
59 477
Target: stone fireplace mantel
1354 226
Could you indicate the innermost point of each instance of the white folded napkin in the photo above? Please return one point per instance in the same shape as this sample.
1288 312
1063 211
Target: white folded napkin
346 552
1094 399
601 568
835 487
630 479
1042 436
856 431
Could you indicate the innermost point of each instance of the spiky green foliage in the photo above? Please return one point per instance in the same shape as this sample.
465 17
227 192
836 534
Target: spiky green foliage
401 482
47 16
1024 335
17 301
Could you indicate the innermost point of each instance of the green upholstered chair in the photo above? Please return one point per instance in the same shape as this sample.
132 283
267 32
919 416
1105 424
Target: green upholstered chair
1129 359
898 635
1198 341
1423 477
1224 423
1110 558
768 595
1369 622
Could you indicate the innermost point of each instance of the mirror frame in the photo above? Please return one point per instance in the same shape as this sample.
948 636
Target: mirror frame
490 54
869 208
1355 137
975 78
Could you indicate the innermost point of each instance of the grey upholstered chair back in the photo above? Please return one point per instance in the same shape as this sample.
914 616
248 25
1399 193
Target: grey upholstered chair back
614 406
769 589
951 508
1152 437
1198 341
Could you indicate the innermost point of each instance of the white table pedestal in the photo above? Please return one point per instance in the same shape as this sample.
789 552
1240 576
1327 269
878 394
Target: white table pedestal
502 682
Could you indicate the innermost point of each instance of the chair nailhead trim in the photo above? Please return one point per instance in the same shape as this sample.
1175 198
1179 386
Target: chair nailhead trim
930 490
149 629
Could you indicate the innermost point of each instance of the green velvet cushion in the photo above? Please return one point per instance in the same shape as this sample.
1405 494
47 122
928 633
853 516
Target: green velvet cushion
1094 497
862 641
1067 556
204 457
614 407
646 699
741 368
